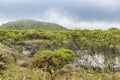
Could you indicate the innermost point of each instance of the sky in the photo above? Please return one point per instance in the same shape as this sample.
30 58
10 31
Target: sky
72 14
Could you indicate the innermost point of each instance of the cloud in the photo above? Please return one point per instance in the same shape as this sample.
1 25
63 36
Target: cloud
97 25
69 13
59 18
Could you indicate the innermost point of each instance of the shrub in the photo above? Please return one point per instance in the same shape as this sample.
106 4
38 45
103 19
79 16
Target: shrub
52 60
63 56
43 59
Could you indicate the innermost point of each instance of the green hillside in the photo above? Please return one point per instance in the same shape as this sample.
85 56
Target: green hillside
31 24
49 55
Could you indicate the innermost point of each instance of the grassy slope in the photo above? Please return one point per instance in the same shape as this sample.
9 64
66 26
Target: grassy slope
31 24
20 58
15 72
67 73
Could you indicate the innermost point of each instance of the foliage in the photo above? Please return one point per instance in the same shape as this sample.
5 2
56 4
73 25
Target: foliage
50 60
54 58
105 41
64 56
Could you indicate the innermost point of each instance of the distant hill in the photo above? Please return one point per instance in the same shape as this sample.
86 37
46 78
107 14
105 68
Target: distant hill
31 24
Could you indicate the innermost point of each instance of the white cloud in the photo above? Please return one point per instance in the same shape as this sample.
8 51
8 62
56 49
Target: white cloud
59 18
95 2
97 25
74 8
3 21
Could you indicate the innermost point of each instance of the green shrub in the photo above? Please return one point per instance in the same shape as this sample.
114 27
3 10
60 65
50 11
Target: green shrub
63 56
50 60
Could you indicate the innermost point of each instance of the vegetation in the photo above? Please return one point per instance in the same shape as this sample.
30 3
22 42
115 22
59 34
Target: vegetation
68 72
53 51
107 41
6 57
31 24
50 60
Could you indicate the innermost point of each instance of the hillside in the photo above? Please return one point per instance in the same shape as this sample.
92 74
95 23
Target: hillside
57 55
31 24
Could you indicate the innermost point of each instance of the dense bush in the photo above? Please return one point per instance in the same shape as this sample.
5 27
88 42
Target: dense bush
50 60
105 41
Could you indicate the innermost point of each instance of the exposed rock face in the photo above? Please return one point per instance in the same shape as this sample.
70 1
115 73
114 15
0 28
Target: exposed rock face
91 61
116 63
25 51
98 60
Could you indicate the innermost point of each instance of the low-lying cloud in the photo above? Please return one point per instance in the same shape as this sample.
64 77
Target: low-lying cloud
83 14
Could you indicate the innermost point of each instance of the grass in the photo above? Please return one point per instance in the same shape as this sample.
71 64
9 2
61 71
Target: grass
20 73
15 72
